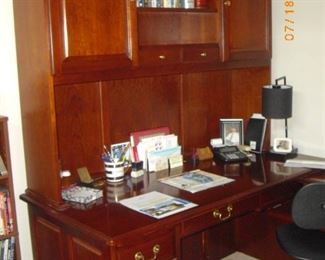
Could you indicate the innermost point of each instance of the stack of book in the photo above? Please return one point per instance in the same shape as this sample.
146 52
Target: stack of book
157 148
166 3
6 218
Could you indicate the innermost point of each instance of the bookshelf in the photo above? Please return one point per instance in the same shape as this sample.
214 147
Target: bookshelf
9 242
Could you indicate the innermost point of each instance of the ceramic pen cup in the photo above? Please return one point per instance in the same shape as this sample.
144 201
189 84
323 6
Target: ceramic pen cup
114 171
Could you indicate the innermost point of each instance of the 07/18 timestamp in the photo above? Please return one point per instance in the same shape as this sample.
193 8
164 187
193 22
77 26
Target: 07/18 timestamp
289 10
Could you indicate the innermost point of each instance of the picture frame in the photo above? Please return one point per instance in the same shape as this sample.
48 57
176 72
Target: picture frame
231 131
122 152
282 145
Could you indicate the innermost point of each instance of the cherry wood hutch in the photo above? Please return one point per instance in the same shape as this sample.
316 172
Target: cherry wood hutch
91 72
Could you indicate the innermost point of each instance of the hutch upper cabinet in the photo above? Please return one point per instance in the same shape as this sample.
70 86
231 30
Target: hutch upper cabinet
92 71
247 29
92 35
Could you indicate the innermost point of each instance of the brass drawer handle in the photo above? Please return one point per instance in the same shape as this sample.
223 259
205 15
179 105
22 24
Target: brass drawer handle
227 3
138 256
217 214
203 54
162 57
155 249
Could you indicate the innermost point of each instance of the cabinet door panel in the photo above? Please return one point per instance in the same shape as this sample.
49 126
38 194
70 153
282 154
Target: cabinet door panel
84 251
49 240
91 35
205 99
213 243
247 29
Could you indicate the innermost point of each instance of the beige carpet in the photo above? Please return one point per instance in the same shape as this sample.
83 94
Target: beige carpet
239 256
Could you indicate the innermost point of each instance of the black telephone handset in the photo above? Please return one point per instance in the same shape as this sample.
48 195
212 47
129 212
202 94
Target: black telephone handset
229 154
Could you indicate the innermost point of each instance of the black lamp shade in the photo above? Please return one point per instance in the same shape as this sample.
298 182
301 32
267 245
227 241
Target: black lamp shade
277 101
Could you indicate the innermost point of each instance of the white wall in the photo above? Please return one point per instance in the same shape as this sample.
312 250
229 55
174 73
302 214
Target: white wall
9 106
303 62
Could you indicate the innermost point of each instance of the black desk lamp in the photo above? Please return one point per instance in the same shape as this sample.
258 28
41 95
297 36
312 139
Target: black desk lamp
277 104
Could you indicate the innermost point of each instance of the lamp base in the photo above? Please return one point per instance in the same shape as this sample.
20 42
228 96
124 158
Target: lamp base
282 156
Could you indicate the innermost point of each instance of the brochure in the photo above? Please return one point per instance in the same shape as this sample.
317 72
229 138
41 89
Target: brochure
196 180
157 205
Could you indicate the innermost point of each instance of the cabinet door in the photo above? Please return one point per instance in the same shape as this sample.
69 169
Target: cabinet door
92 35
213 243
48 239
247 29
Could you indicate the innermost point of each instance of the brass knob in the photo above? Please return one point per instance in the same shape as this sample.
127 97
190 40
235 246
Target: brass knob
203 54
162 57
227 3
217 214
138 256
155 249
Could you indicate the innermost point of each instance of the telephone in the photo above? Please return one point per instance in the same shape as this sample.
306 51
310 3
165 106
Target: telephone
229 154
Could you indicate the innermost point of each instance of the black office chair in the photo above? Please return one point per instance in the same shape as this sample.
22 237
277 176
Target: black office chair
303 239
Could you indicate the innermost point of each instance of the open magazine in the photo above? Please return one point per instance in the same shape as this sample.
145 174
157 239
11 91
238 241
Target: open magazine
157 205
196 180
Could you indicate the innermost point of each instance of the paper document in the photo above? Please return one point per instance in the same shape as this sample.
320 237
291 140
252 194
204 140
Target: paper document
196 180
157 205
315 164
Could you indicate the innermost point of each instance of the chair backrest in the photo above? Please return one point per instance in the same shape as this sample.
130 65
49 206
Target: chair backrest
308 207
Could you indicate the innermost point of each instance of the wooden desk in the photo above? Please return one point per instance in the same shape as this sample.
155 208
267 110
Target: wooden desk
108 230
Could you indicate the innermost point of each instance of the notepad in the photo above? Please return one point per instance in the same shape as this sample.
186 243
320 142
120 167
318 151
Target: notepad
315 164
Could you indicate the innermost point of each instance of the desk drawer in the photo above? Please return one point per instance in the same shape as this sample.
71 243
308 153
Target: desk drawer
278 194
201 53
160 55
218 215
159 245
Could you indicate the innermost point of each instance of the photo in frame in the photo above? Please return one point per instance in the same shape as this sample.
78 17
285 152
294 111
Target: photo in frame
231 131
282 145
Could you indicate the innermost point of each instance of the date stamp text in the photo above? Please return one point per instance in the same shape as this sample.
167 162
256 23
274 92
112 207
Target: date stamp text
289 20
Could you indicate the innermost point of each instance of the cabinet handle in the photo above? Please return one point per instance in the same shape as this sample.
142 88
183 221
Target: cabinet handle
155 249
217 214
227 3
162 57
203 54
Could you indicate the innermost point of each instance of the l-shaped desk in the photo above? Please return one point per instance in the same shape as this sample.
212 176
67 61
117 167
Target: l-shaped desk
106 229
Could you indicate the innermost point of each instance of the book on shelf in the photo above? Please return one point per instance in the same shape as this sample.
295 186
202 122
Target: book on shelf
7 248
3 169
255 132
165 3
157 205
6 218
